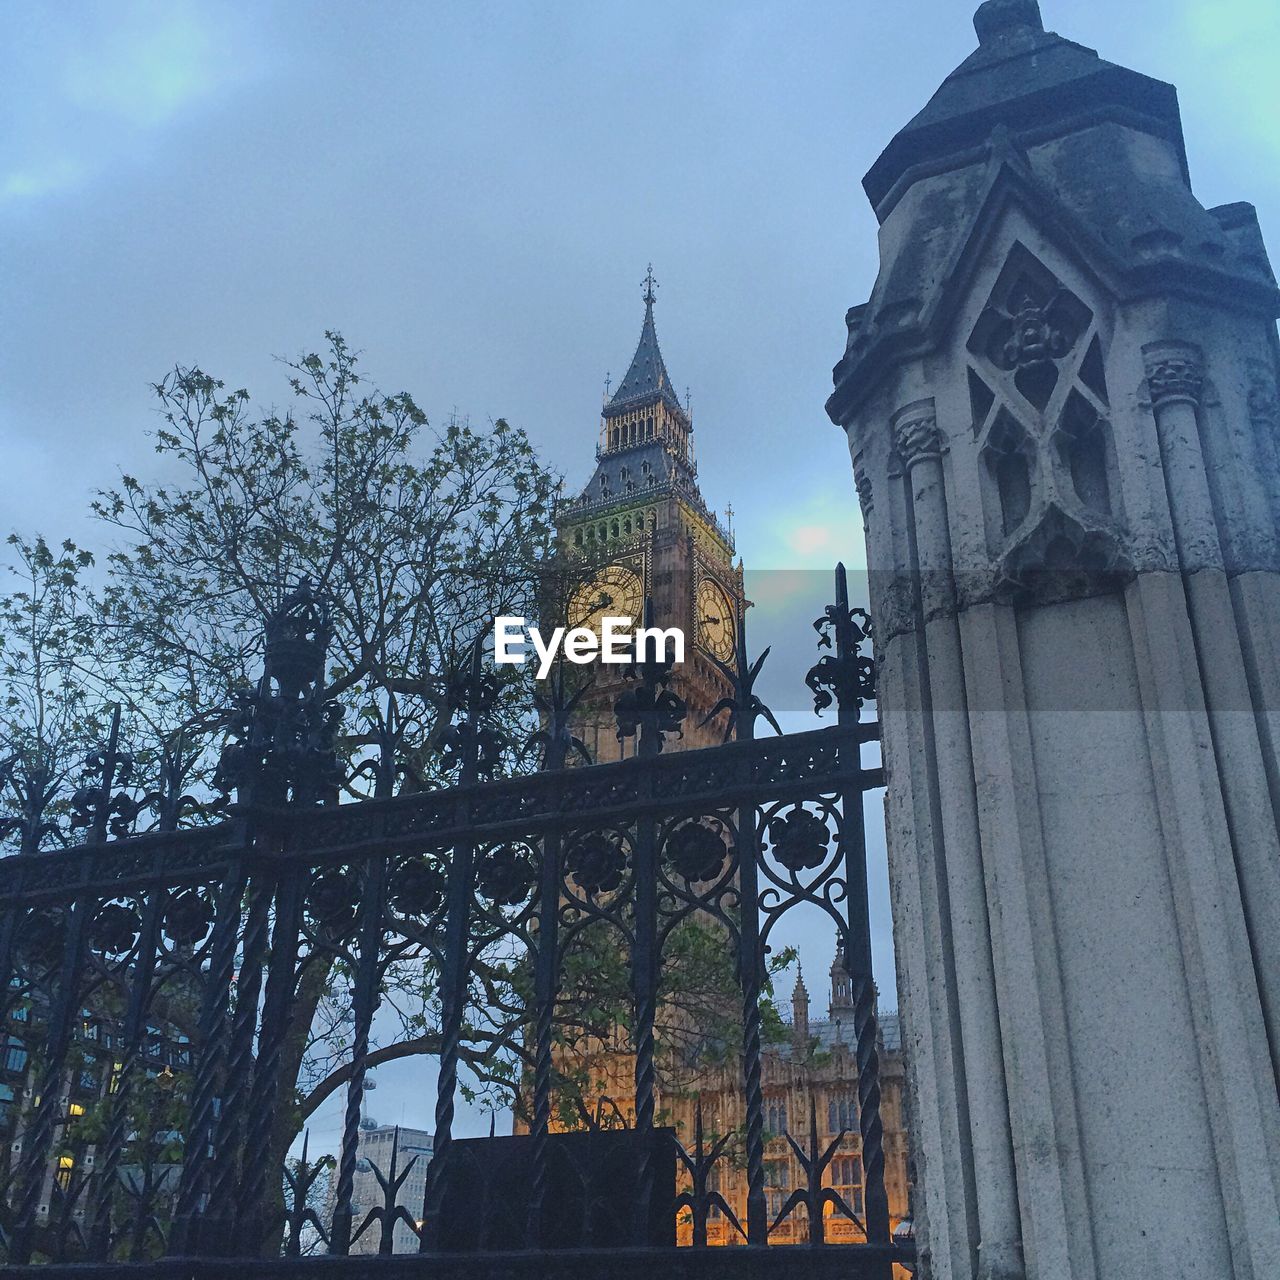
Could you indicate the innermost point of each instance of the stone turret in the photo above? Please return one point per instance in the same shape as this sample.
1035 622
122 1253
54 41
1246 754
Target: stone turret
800 1012
1060 403
841 1009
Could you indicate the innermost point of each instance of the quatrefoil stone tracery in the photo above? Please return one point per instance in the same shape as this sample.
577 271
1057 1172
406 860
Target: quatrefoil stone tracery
1038 393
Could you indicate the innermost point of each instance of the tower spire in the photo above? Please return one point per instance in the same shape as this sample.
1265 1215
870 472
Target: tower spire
647 377
650 284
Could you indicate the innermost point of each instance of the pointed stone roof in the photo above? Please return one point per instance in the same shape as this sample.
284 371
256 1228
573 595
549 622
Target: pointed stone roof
831 1033
800 991
1034 121
647 378
1027 79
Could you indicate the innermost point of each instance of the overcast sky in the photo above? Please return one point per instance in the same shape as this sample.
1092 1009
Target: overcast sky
471 193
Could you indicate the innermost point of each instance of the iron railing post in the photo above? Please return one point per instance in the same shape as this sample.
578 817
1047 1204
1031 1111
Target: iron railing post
9 982
254 1214
558 740
546 983
750 966
217 1223
454 980
857 952
200 1151
453 998
645 960
644 978
364 1005
38 1136
135 1024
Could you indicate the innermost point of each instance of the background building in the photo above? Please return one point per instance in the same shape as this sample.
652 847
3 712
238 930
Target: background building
374 1150
88 1083
813 1074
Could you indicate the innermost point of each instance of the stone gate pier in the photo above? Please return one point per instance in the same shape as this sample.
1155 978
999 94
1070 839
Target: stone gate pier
1061 404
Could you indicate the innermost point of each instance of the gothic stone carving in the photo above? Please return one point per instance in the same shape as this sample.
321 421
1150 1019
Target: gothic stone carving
1034 338
1175 372
863 483
916 434
1264 409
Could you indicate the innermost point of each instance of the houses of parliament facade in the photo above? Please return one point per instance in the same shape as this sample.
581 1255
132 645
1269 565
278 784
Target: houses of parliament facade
642 525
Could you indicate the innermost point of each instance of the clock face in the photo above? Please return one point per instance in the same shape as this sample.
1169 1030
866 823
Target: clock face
717 620
613 593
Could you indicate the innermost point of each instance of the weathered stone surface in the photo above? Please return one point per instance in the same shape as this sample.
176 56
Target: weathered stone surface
1062 396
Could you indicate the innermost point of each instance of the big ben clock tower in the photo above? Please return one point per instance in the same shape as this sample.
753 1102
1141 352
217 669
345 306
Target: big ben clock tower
642 526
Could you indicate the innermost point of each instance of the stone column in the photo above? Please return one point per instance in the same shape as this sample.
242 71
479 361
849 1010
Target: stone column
1175 381
1224 846
920 445
946 1230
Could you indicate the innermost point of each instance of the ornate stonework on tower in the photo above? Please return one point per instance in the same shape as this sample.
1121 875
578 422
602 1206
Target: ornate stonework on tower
1060 403
643 526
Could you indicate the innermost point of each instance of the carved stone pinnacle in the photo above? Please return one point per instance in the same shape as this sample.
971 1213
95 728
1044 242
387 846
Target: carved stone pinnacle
997 17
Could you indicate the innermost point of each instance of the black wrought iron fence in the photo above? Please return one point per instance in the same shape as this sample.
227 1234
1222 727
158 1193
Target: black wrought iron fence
177 957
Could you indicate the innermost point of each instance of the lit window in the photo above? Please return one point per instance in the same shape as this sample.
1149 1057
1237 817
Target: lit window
15 1058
